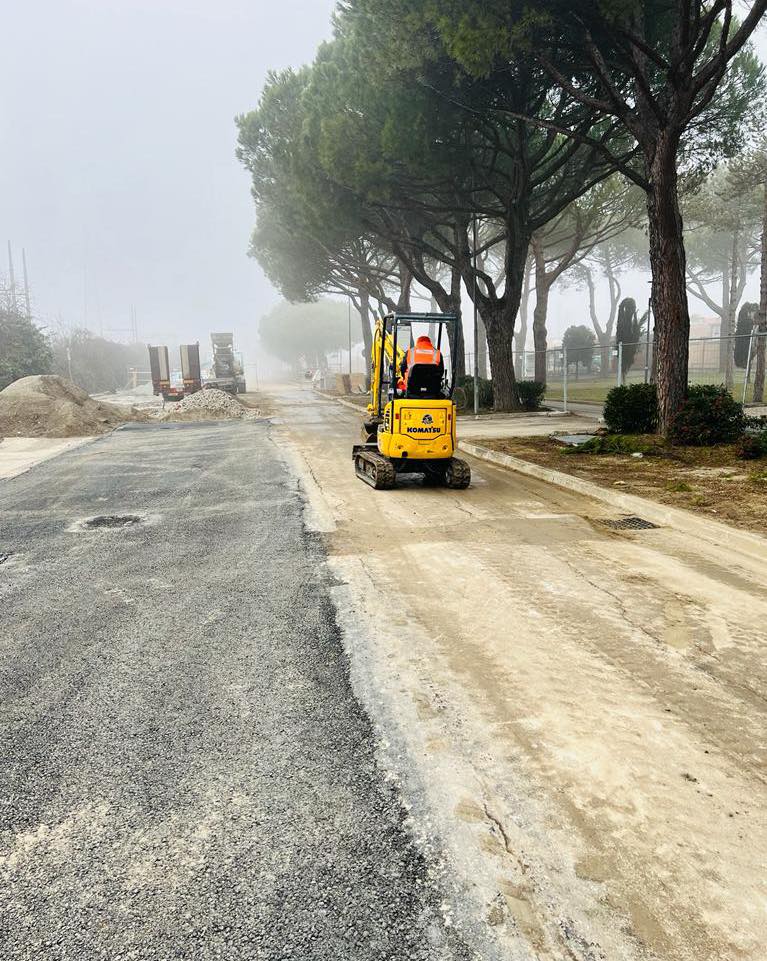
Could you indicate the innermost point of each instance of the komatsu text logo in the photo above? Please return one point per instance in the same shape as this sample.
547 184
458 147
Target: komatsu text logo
427 419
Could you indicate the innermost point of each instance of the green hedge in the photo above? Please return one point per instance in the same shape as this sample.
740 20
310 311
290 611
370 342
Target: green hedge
632 409
710 415
531 393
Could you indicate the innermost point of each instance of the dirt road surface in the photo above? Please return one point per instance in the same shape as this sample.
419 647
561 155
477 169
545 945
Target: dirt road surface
577 713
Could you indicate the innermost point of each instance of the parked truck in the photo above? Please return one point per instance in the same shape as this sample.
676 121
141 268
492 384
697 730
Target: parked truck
190 368
161 379
227 369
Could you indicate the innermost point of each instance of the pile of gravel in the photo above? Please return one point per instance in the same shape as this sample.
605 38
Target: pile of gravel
209 404
49 406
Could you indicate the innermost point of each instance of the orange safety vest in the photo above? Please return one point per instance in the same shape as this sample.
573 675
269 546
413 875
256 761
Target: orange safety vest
424 352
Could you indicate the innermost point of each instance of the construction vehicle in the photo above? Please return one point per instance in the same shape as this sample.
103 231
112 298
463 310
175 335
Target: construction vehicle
161 379
227 366
410 426
190 368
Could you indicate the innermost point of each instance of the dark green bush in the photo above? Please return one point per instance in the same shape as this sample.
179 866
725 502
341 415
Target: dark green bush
632 409
485 391
531 393
710 415
753 446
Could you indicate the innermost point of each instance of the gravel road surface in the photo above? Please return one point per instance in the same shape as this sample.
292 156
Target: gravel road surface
185 771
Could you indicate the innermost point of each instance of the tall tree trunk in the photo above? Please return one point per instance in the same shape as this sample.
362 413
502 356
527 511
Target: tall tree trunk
450 303
729 368
500 345
367 333
405 287
500 313
603 334
725 316
761 340
540 312
669 290
481 347
520 340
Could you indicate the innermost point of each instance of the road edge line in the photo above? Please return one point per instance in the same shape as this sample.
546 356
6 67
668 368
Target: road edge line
753 545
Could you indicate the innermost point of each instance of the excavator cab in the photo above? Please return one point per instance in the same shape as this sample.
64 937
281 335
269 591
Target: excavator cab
410 425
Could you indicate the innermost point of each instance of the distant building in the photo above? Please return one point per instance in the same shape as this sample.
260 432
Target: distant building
705 326
704 354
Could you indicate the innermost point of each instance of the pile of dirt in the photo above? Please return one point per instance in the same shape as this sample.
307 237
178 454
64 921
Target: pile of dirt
49 406
209 404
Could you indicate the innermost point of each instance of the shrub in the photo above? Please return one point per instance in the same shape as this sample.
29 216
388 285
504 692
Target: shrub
485 391
710 415
531 393
632 409
753 446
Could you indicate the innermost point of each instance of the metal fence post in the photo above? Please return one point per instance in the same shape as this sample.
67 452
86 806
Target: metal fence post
647 359
620 364
564 380
748 362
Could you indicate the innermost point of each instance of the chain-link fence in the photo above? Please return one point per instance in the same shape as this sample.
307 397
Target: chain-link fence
586 374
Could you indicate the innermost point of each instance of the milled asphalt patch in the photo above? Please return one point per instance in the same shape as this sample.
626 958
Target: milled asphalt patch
186 773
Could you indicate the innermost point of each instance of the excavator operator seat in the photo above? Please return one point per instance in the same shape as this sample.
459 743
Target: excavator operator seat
425 381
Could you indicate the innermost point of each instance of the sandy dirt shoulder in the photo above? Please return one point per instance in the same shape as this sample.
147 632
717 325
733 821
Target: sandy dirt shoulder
576 715
713 481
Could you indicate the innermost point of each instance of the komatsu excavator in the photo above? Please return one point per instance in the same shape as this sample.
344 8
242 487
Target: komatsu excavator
410 423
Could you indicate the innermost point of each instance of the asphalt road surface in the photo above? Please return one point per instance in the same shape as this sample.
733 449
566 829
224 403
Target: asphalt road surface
185 771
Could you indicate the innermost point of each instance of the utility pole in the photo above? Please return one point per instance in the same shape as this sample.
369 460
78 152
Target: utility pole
12 277
26 284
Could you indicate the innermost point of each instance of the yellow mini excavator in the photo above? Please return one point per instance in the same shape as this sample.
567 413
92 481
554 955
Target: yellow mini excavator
410 423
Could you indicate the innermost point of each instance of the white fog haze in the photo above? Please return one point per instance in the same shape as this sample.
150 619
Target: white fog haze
118 173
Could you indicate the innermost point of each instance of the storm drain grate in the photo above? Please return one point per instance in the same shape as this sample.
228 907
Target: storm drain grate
112 521
631 524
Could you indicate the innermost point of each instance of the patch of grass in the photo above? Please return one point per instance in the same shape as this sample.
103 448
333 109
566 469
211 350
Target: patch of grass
618 444
758 477
679 487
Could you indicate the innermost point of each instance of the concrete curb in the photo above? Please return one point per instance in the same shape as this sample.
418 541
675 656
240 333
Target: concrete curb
752 545
340 400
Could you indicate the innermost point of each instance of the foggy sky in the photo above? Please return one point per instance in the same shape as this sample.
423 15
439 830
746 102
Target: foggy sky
117 167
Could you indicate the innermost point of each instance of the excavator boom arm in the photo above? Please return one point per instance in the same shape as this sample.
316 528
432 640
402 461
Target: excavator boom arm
382 351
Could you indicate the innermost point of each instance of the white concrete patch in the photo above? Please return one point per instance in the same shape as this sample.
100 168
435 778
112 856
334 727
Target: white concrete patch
19 454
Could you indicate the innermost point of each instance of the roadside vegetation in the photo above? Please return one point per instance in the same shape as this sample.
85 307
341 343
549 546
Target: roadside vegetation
446 148
714 460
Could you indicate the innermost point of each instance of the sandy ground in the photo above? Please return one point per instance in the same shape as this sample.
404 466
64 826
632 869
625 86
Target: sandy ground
577 713
19 454
707 480
523 425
